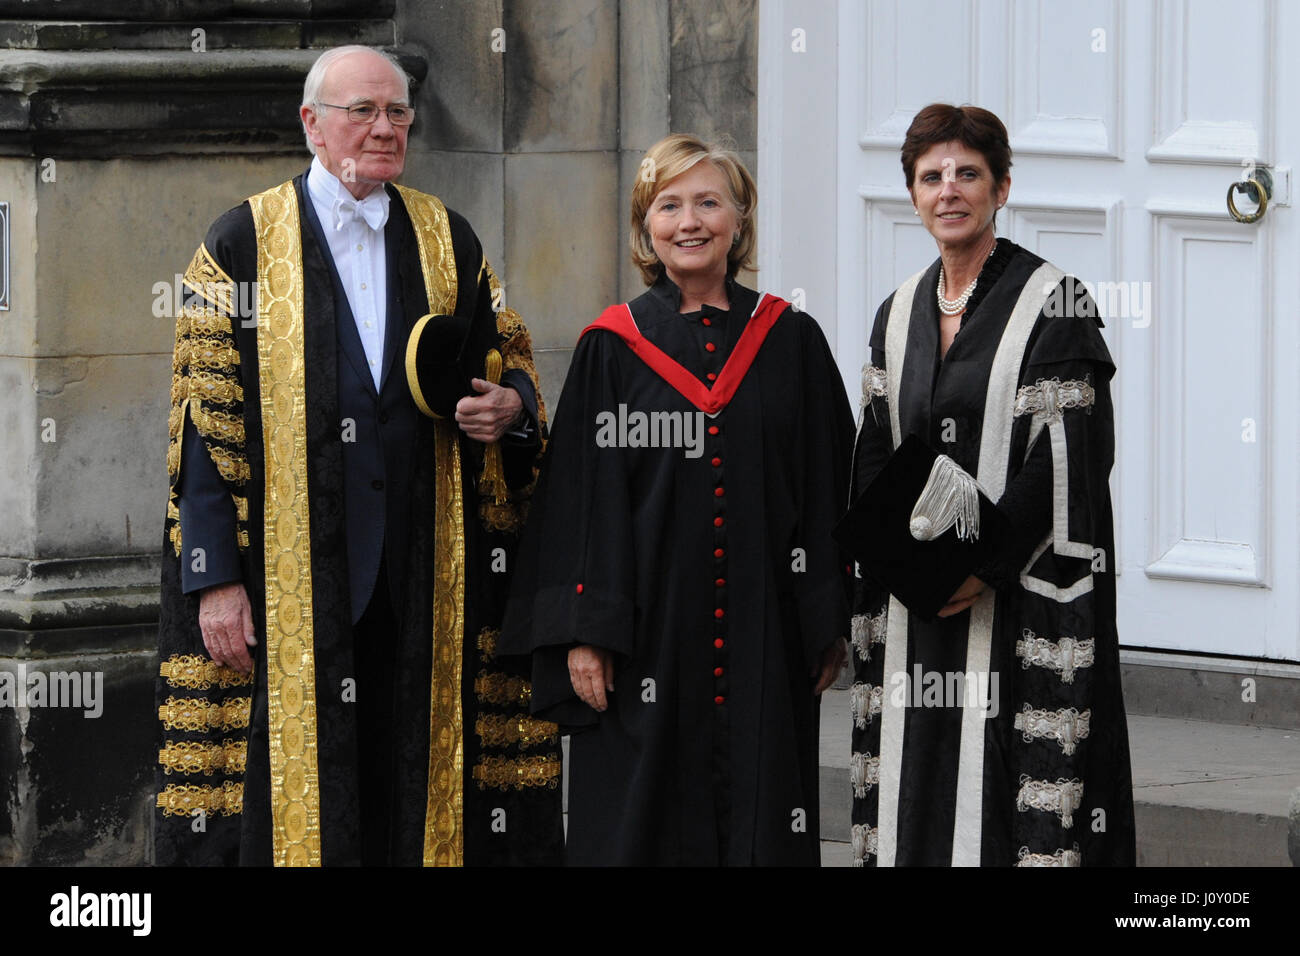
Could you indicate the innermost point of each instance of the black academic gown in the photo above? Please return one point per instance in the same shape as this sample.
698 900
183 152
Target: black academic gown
712 579
241 830
1045 778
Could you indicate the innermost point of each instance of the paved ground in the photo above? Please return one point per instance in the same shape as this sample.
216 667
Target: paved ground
1206 794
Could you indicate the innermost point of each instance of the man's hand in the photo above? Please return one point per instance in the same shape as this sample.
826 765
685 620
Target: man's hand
591 669
964 597
489 415
833 659
226 619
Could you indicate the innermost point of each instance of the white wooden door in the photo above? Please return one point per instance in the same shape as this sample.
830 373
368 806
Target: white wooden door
1128 121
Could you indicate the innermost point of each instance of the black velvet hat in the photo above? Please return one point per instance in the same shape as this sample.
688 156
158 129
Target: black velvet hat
444 352
921 528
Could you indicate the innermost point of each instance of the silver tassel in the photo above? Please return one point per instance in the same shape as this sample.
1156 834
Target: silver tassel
951 496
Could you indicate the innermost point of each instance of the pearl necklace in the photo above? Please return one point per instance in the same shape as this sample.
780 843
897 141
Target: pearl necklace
958 305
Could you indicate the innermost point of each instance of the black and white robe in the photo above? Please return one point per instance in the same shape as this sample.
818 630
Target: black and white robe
997 737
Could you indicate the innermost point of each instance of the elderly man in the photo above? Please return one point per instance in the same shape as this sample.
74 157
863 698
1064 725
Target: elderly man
336 562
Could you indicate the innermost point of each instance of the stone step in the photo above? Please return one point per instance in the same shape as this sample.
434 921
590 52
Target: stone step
1214 689
1205 793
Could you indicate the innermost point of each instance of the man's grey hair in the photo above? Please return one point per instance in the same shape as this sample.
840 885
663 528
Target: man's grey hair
316 77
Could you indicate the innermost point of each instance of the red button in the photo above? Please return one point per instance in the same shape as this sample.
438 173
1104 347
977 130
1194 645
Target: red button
717 672
713 429
719 699
718 613
719 491
707 321
717 522
711 377
710 347
718 642
718 552
720 583
579 589
717 463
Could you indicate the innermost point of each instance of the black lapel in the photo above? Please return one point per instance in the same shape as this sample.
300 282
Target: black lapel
921 358
397 235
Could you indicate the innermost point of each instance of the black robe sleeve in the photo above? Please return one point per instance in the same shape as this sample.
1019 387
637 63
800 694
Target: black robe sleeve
577 577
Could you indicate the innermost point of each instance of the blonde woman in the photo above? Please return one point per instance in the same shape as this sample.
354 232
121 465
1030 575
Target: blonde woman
679 589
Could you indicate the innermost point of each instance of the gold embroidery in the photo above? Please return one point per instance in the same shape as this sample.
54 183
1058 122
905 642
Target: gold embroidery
502 689
215 388
209 280
232 465
501 773
206 320
444 813
229 756
487 643
227 427
212 353
182 800
196 672
290 648
497 730
194 714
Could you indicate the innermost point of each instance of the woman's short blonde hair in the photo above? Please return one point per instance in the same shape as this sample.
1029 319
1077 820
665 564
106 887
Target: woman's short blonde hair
664 162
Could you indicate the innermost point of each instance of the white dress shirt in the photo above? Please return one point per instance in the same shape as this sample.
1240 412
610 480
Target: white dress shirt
355 233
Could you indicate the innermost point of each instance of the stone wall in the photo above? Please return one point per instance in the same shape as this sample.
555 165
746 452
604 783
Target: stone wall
121 141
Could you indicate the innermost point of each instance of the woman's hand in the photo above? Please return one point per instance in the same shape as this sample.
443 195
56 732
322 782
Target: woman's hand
828 669
591 669
964 597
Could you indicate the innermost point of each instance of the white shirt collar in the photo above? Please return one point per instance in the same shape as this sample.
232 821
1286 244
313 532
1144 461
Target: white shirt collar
328 193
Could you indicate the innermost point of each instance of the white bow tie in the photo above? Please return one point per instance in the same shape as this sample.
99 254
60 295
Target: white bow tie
372 209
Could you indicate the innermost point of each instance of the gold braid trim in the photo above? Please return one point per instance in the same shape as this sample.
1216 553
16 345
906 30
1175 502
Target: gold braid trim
182 800
205 277
195 715
286 537
229 756
444 813
216 388
502 689
205 372
229 428
498 730
196 672
487 643
501 773
233 466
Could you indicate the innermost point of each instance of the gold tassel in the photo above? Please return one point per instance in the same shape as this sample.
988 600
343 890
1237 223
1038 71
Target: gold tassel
493 480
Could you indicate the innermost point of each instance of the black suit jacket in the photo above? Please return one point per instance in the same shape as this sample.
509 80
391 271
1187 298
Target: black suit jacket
377 426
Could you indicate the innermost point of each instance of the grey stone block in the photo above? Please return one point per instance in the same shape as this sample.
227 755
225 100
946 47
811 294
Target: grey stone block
1194 836
836 803
460 102
714 80
100 487
561 69
643 59
561 243
552 369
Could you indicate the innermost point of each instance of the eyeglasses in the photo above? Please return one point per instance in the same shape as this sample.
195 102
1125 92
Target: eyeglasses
363 114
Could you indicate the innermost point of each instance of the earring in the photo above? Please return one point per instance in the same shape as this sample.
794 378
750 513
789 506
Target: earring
735 239
915 211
